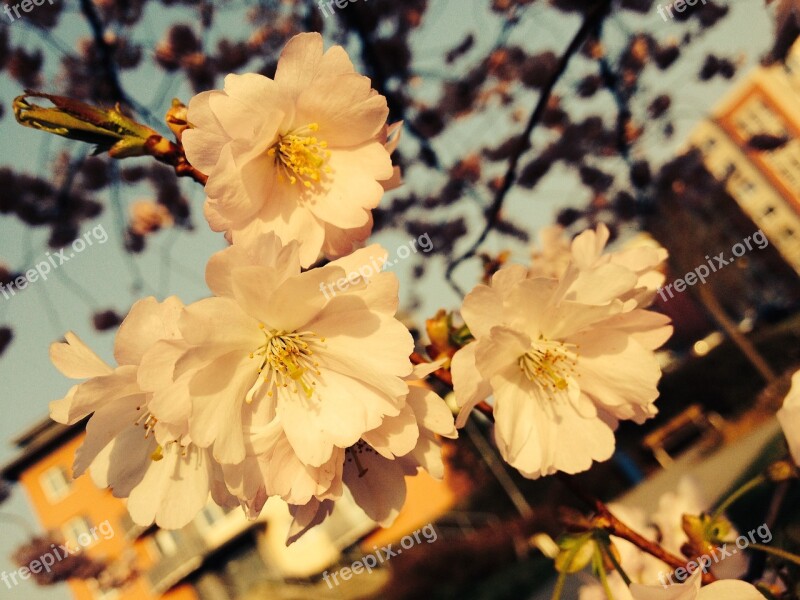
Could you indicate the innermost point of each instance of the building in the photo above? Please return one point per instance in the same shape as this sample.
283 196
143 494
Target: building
72 508
765 184
220 555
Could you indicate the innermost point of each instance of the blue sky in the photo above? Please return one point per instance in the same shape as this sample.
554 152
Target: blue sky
104 276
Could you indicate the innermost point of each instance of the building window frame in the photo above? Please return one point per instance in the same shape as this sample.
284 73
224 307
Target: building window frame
55 483
77 526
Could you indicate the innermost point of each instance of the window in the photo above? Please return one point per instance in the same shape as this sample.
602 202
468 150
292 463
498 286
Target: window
55 482
166 542
99 594
209 516
77 531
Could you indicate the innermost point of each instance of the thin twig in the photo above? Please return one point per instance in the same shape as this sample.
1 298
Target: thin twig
605 520
612 525
172 154
105 51
590 24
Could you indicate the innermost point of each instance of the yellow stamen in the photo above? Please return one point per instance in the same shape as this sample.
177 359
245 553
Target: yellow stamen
286 358
548 364
300 156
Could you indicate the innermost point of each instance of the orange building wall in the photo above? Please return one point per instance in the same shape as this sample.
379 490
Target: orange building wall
427 499
97 505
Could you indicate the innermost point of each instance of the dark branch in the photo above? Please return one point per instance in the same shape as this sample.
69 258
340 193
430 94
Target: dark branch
106 53
594 17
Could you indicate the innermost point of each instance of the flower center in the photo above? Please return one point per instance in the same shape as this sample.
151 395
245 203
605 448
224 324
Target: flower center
352 455
300 156
286 359
147 420
548 364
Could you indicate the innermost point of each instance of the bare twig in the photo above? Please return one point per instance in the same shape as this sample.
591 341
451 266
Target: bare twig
605 520
593 18
110 73
172 154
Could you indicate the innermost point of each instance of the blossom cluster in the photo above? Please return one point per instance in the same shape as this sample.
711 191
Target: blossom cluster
269 388
265 389
566 349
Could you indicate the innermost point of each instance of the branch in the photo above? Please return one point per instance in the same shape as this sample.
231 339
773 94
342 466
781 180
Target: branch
380 79
105 51
607 522
172 154
593 18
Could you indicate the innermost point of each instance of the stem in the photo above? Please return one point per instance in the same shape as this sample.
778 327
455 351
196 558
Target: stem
612 525
498 469
562 578
172 154
616 564
789 556
562 575
738 493
601 572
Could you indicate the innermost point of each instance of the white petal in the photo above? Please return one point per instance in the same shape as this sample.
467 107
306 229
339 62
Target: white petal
379 488
147 322
173 490
76 360
469 385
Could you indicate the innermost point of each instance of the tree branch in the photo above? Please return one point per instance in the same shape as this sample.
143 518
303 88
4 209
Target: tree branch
110 73
380 79
593 18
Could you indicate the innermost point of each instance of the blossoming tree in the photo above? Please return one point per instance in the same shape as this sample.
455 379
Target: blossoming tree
270 388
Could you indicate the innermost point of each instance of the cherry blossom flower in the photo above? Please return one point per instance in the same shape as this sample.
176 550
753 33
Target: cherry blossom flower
789 418
586 253
373 469
271 344
165 477
304 155
564 359
376 466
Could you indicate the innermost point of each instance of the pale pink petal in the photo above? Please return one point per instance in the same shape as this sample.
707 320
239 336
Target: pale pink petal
76 360
299 63
347 111
218 394
469 386
396 435
307 516
173 490
106 423
482 309
147 322
378 486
